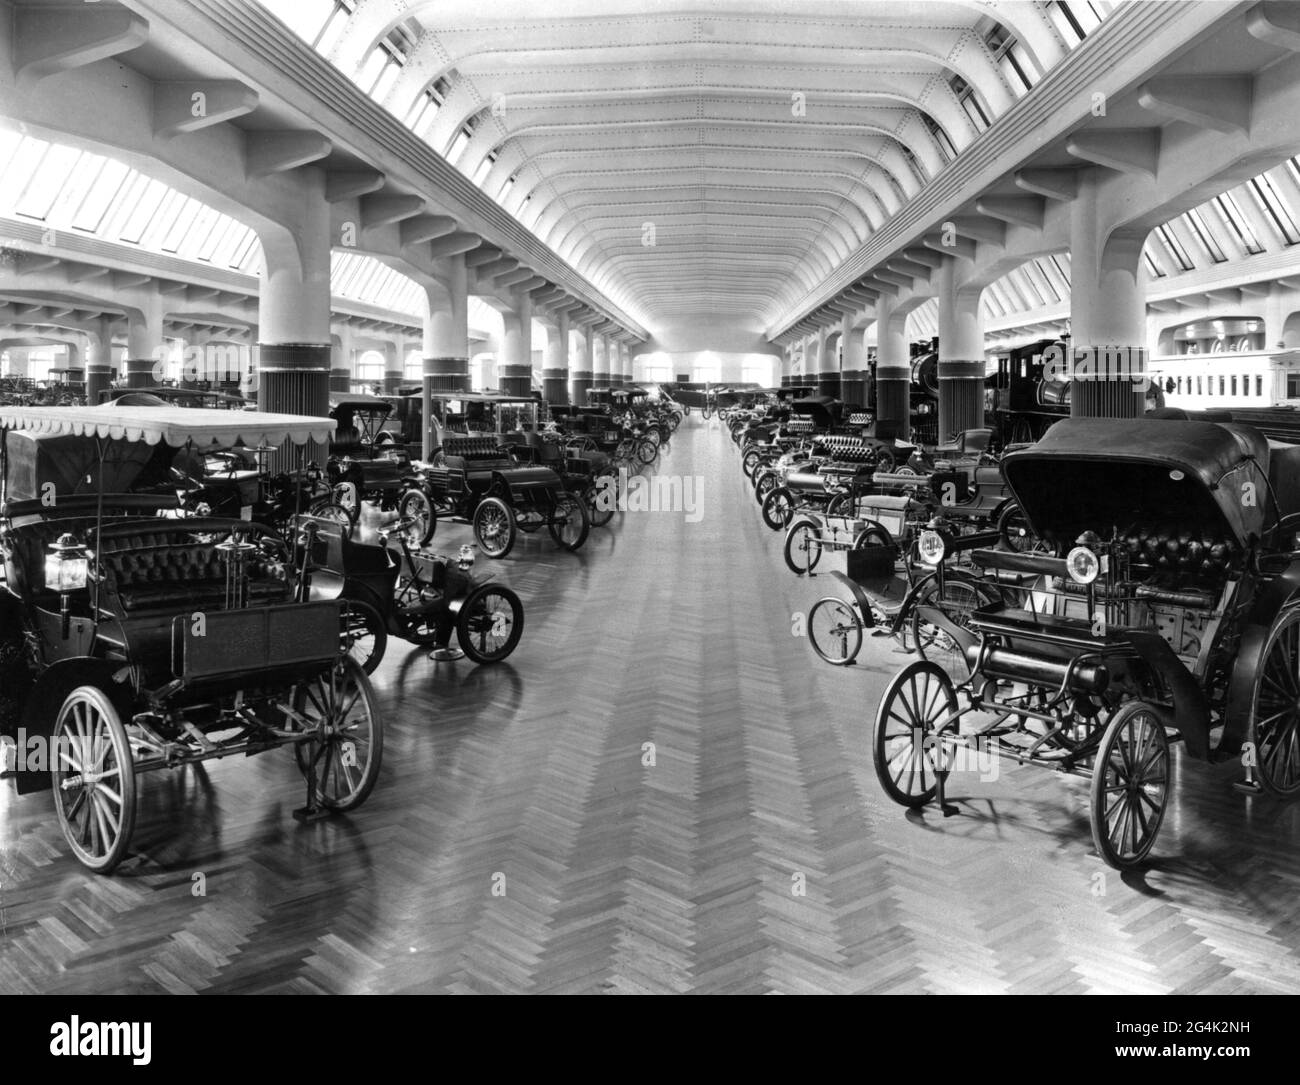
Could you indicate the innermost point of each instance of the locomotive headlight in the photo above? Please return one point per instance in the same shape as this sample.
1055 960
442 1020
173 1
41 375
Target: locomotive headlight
931 546
1083 565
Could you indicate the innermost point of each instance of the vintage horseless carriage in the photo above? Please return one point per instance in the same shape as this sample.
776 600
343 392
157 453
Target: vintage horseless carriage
477 479
1166 607
132 643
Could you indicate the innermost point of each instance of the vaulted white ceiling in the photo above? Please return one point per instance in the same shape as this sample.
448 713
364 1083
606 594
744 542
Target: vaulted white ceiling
699 161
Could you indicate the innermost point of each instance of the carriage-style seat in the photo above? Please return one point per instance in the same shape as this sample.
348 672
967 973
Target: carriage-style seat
153 570
475 454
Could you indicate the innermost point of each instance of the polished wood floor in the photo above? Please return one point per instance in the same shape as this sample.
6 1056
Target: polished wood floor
518 840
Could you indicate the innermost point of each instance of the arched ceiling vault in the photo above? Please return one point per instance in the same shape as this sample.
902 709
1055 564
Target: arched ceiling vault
718 157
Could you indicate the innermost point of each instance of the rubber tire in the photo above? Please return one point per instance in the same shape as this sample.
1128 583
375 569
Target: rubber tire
580 507
815 555
778 509
416 498
853 639
511 529
1117 723
370 773
466 614
357 613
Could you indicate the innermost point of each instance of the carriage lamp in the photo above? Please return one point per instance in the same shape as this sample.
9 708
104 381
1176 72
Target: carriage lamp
931 546
67 569
466 559
1082 563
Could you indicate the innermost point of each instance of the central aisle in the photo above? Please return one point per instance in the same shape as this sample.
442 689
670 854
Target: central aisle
662 790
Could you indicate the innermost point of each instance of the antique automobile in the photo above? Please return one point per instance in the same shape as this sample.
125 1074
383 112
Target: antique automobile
415 595
839 469
476 479
583 468
1166 607
366 461
885 591
141 645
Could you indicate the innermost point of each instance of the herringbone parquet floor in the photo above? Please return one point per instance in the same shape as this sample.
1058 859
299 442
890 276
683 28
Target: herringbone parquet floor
662 791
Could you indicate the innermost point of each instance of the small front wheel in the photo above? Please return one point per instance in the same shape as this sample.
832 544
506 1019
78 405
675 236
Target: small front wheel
835 631
416 507
1130 784
919 707
778 508
803 547
494 527
333 512
601 499
490 623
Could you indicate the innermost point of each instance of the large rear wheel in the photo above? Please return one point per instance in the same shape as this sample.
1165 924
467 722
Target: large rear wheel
571 524
347 743
1275 708
93 778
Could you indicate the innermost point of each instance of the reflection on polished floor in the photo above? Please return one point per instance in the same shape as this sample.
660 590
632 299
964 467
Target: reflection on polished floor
519 841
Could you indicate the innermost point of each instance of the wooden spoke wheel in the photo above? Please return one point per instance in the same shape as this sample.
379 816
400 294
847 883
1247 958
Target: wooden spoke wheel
601 499
494 527
1130 784
490 623
1275 708
919 706
347 743
835 631
93 778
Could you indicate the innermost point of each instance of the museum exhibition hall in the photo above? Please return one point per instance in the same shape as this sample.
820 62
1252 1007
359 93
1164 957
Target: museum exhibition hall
649 497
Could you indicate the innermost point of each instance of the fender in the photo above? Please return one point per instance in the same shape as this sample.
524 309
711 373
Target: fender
50 691
1275 595
1191 711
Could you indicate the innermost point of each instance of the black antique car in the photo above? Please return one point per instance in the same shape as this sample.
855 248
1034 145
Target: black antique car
1166 606
473 476
132 643
367 461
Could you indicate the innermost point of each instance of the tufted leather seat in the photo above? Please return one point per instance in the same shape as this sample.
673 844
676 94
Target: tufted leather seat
153 570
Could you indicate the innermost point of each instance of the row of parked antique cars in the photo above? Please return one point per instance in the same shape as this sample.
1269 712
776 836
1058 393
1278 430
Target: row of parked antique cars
1082 603
185 583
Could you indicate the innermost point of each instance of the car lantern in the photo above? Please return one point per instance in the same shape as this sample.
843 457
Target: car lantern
933 542
1082 563
466 559
67 569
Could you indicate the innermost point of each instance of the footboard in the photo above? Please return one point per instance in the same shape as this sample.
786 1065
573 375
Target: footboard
229 643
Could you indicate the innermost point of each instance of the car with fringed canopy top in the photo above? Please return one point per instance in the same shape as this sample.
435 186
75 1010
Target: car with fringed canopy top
133 642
